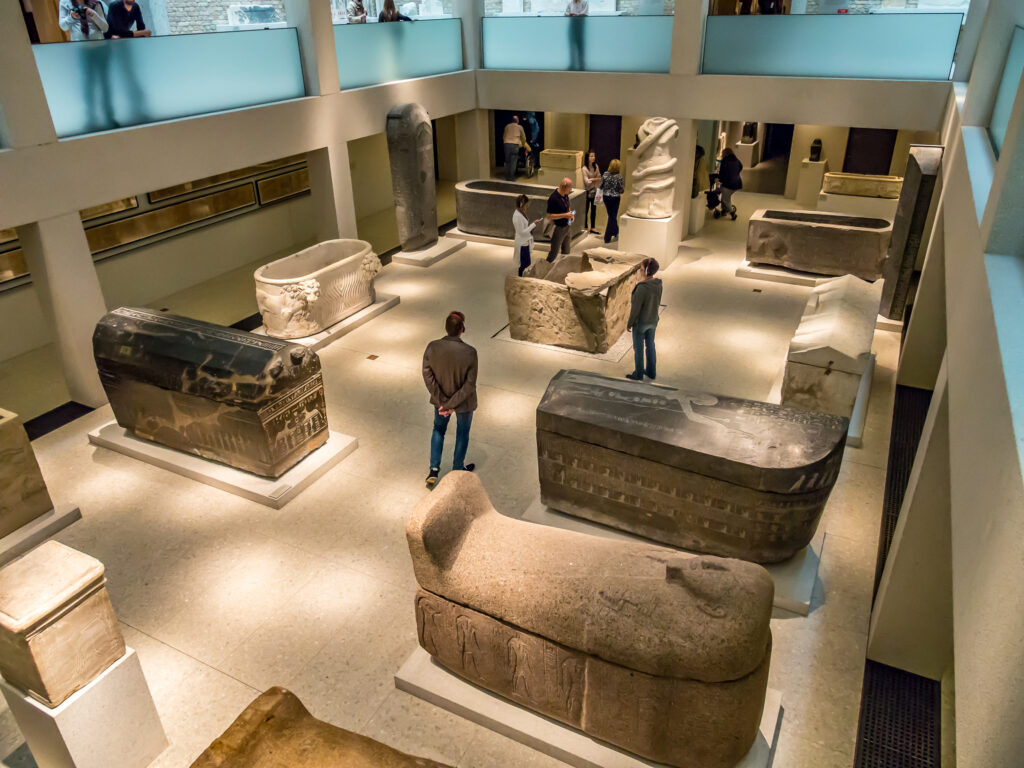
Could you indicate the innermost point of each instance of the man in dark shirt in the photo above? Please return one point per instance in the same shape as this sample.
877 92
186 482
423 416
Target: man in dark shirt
560 213
120 16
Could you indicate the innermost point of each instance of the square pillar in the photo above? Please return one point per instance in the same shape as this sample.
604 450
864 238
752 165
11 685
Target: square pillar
24 114
315 26
330 183
471 13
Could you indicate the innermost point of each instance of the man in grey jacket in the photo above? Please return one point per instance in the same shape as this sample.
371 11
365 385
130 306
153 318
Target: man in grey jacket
449 371
643 320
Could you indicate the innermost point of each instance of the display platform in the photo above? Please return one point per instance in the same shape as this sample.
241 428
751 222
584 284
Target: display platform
538 245
424 257
656 238
35 532
318 341
263 490
749 154
421 676
858 205
794 579
110 722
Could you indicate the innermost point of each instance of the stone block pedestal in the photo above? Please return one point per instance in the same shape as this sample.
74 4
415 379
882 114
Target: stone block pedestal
698 210
749 154
808 185
656 238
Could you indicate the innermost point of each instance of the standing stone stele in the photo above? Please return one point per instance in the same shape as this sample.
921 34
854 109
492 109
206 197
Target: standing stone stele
653 179
411 152
915 201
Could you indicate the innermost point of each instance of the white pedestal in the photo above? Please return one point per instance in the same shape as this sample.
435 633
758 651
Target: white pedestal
656 238
35 532
111 722
794 579
424 257
424 678
263 490
698 211
320 340
538 246
857 205
773 274
855 435
808 185
749 154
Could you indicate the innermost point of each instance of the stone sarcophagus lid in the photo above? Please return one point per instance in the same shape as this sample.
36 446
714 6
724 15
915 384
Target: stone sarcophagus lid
579 301
306 292
832 346
58 630
713 474
23 494
275 730
249 401
821 243
862 185
569 160
661 654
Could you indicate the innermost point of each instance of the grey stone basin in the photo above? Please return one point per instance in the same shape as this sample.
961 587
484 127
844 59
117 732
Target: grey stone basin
485 206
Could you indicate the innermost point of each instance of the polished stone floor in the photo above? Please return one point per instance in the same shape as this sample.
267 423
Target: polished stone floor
223 598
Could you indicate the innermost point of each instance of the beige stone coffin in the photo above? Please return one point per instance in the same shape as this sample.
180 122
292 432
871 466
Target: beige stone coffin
570 160
23 494
862 185
276 731
661 654
58 630
831 346
820 243
579 301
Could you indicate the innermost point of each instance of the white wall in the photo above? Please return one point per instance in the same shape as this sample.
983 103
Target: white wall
371 174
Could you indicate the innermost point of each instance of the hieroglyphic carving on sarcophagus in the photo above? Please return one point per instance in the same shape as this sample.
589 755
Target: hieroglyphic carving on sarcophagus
731 477
244 400
661 654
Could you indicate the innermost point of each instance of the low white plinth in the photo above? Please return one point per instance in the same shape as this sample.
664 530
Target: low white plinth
424 257
264 490
320 340
424 678
35 532
794 579
857 205
698 212
749 154
111 722
657 238
538 245
855 435
772 274
808 184
883 323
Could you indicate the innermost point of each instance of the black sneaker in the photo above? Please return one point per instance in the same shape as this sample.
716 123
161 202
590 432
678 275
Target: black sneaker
634 377
432 478
468 467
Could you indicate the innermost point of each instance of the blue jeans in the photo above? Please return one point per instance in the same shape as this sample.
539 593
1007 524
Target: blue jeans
511 161
643 336
463 421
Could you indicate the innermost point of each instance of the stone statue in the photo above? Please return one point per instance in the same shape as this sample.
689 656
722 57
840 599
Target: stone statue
749 133
708 473
815 154
23 494
276 730
660 653
654 177
411 151
249 401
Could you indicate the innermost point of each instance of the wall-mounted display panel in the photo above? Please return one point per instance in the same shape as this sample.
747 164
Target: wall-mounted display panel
1007 92
167 193
371 54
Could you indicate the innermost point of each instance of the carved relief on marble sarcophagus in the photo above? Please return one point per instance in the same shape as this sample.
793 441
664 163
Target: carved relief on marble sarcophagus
721 475
244 400
659 653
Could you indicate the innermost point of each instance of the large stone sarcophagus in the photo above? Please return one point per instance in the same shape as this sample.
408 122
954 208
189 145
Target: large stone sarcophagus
662 654
23 494
713 474
248 401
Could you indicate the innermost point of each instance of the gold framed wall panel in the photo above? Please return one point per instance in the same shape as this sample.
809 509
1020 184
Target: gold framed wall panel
7 235
12 265
222 178
105 209
283 186
162 220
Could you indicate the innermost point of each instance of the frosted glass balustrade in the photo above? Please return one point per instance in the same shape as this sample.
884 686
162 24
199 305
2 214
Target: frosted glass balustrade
1007 92
375 53
590 44
889 47
105 84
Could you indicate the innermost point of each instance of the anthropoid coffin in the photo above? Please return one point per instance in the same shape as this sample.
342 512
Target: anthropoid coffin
306 292
411 154
713 474
276 730
661 654
23 494
862 185
579 301
485 207
832 345
570 160
822 243
249 401
58 630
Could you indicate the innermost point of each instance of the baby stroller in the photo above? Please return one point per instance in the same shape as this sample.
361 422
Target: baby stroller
714 198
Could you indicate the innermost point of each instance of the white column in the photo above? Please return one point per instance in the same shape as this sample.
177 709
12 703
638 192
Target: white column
687 148
472 133
69 290
471 12
925 343
24 115
330 182
688 36
312 19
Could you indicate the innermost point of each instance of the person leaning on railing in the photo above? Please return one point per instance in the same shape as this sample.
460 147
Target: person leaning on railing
390 13
83 19
121 15
356 12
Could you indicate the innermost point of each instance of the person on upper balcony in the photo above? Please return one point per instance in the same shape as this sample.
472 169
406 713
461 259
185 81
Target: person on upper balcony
577 8
84 19
391 13
122 15
356 12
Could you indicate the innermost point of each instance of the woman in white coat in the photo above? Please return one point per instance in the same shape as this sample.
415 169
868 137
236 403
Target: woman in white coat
524 234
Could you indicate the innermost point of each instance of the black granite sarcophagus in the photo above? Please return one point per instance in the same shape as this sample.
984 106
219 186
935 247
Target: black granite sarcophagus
721 475
248 401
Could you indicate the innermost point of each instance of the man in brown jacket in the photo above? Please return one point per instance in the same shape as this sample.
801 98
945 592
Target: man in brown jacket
449 371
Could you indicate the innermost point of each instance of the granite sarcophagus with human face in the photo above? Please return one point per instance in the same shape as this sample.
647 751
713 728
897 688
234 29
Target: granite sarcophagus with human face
720 475
244 400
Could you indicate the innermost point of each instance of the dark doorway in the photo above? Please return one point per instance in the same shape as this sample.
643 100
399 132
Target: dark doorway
869 150
533 125
778 141
605 138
